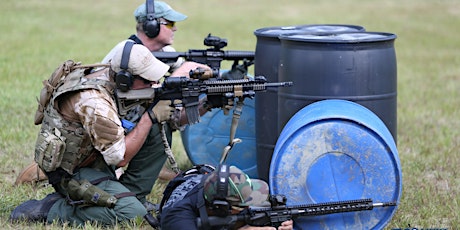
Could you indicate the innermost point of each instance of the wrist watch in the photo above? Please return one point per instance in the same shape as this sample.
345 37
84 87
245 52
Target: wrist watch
152 116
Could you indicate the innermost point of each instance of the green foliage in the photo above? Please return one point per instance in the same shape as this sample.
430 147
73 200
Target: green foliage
38 35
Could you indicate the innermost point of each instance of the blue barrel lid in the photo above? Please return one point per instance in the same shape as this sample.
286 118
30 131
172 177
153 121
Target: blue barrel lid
347 37
276 31
335 150
204 142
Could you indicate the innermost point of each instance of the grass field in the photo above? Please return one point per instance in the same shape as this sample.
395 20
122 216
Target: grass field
38 35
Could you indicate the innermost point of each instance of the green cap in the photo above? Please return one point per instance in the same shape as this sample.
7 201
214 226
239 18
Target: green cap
242 190
162 10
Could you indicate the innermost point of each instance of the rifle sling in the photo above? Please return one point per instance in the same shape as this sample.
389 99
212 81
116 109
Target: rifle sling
168 151
236 117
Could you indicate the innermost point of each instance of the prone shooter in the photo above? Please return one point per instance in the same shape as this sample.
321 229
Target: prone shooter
279 212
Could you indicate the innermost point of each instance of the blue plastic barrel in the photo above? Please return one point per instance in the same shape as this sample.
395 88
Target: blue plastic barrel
267 58
335 150
204 142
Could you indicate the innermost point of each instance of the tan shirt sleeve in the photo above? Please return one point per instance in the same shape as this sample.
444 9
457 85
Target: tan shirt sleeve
97 112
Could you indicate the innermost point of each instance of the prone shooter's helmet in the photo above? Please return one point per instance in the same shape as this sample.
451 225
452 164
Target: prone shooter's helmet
229 186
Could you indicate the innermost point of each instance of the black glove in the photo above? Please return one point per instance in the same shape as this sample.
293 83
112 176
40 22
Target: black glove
237 72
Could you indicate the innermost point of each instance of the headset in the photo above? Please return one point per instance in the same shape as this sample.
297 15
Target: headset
151 25
124 79
220 206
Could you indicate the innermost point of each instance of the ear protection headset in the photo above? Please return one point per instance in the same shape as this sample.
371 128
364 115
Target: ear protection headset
151 26
220 205
124 79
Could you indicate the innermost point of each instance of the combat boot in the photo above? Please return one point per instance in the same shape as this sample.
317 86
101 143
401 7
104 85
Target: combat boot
31 174
149 217
34 210
153 221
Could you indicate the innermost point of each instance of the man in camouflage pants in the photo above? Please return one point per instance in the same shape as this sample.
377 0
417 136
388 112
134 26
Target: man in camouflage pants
142 171
83 114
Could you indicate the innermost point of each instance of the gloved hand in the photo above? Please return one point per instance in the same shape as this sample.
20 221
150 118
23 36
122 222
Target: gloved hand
161 111
237 72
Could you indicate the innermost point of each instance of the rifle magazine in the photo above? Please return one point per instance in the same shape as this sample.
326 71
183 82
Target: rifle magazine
193 115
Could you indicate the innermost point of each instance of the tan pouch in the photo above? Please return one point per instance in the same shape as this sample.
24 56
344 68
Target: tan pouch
49 149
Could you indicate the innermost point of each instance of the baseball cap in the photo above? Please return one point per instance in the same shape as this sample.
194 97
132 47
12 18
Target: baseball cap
141 62
162 10
242 191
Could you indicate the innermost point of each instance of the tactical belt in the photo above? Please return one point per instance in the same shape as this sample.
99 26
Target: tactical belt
89 159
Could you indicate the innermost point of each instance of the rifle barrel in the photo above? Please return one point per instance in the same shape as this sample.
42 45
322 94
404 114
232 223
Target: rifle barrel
279 84
237 54
225 55
384 204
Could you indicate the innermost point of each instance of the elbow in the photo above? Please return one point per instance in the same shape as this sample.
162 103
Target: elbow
115 155
122 163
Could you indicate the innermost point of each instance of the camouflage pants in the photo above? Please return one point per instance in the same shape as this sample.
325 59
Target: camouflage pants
139 178
144 168
126 208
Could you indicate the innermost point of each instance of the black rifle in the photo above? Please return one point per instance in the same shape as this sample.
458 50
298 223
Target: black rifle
212 56
279 212
188 90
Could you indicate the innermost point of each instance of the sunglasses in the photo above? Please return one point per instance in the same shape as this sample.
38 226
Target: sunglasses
168 24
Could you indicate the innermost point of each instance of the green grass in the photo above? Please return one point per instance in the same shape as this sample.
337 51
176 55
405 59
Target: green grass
38 35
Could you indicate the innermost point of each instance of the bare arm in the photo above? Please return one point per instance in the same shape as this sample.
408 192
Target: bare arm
286 225
136 138
184 69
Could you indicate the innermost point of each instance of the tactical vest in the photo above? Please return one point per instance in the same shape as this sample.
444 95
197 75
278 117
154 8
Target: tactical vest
63 143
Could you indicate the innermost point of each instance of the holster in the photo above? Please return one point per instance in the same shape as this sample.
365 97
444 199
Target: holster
84 193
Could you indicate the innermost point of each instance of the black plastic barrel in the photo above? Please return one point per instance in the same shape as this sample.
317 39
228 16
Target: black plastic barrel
359 67
267 57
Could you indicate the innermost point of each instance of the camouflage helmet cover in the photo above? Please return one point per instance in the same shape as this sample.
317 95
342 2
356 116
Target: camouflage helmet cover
242 190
